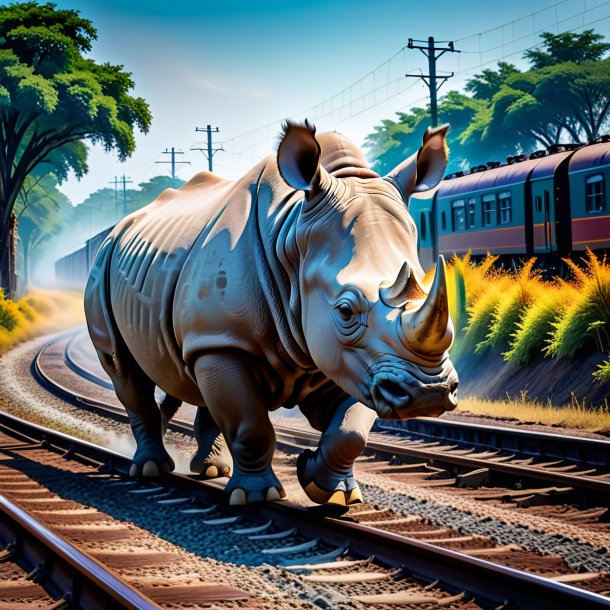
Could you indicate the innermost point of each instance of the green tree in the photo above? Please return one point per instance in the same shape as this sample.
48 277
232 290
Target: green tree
567 47
565 95
39 210
485 85
52 98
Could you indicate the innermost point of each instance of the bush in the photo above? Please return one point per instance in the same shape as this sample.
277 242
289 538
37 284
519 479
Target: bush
10 315
587 320
525 289
536 325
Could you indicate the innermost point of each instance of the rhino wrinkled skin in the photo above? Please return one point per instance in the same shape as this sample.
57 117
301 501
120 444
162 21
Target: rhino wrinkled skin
298 284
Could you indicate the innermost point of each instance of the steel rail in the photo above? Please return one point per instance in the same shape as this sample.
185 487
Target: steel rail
489 583
63 570
598 484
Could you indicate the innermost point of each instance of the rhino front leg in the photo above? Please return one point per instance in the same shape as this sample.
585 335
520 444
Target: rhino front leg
326 475
238 405
212 458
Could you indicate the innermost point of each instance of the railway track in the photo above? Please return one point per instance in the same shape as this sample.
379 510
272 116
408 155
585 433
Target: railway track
340 560
397 542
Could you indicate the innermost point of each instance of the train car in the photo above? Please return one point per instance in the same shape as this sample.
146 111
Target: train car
72 270
548 205
589 177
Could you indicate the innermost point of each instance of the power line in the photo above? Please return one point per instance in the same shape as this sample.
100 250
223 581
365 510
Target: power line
357 103
173 152
209 152
433 53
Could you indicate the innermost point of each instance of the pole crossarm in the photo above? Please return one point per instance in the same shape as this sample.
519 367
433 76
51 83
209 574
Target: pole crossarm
209 151
173 152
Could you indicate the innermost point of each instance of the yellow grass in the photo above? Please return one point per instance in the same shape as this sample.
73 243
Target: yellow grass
41 312
574 415
520 314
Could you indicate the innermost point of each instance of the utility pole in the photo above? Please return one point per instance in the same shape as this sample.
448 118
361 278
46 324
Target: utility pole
432 52
116 196
125 182
173 152
210 151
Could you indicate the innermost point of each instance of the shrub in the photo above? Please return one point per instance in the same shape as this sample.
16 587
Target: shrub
587 319
536 325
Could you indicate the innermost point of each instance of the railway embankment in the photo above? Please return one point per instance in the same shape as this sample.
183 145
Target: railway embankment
560 381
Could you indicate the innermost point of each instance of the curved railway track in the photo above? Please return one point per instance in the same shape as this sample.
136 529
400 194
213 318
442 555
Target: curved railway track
401 545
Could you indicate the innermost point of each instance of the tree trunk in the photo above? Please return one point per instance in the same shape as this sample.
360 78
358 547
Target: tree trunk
8 256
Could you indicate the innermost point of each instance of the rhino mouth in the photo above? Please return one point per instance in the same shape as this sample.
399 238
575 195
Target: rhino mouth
403 390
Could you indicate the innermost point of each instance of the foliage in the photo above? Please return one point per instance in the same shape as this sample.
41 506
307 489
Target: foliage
602 374
527 317
52 97
567 47
535 326
40 312
587 319
564 96
523 291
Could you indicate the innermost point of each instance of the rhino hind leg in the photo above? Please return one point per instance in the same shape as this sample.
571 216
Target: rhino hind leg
212 458
326 475
237 403
136 391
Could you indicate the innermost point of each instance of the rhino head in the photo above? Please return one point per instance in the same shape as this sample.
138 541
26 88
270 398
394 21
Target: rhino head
369 320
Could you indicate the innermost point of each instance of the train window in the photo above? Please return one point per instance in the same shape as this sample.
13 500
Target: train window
458 218
470 214
595 191
505 204
489 210
443 221
422 226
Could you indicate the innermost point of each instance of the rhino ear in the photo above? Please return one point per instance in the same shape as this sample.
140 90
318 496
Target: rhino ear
298 156
423 170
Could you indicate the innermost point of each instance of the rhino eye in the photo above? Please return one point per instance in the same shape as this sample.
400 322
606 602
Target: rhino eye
345 311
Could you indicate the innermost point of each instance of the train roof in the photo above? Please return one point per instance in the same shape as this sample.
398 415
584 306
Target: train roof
547 165
591 156
504 175
540 164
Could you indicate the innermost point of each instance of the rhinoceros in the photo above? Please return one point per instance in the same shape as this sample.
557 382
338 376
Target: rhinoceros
296 285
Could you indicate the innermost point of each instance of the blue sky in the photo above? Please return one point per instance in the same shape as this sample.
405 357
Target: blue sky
243 65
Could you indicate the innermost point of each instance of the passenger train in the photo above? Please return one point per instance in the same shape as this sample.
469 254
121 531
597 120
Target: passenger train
550 204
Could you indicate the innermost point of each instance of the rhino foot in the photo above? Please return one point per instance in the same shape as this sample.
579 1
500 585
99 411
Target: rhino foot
149 463
210 467
246 487
324 486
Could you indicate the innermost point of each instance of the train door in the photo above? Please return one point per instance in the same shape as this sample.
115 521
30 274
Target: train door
562 208
543 218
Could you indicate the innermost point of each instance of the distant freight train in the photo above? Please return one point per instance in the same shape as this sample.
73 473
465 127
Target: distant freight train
72 270
551 204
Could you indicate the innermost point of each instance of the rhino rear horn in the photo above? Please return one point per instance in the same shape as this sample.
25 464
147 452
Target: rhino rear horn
404 289
424 169
298 158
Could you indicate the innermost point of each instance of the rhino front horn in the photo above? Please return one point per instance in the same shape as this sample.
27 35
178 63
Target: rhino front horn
429 330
